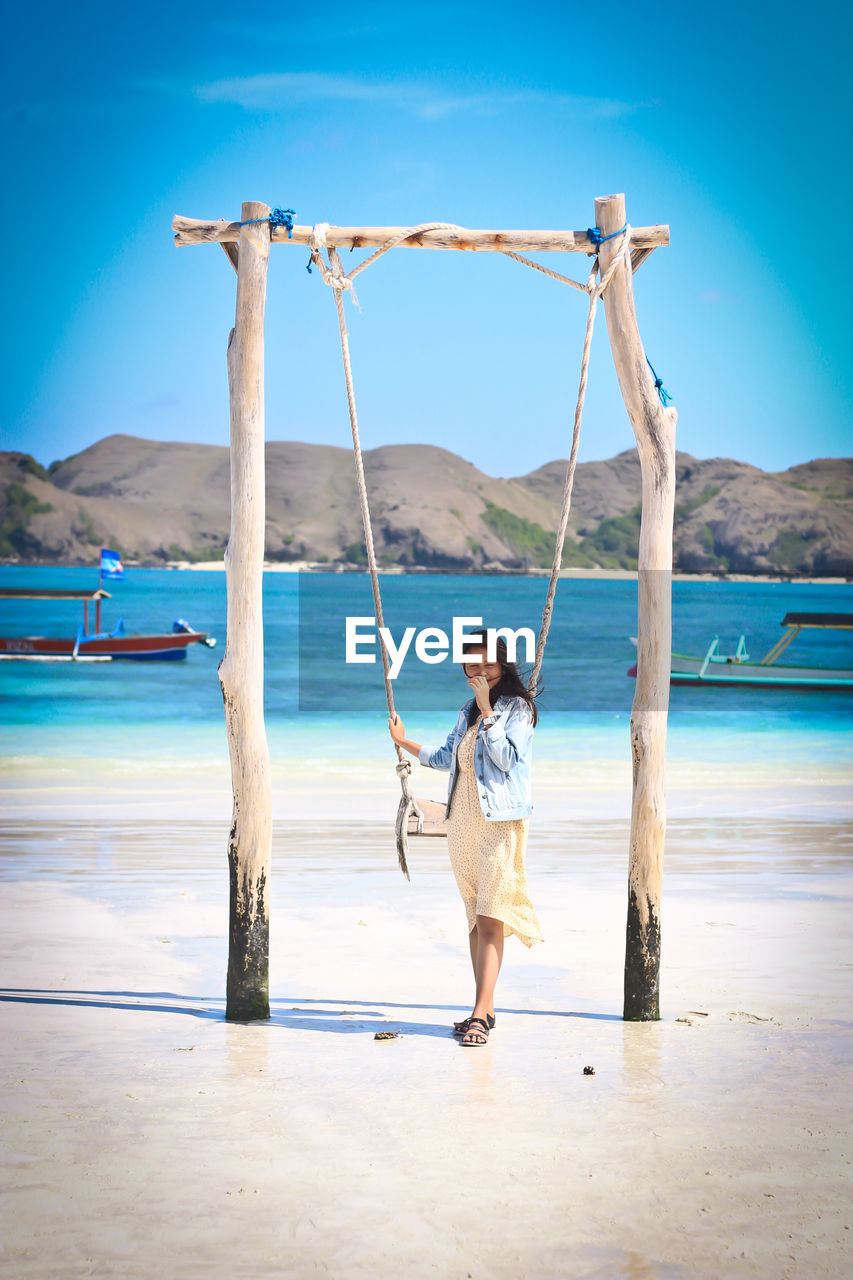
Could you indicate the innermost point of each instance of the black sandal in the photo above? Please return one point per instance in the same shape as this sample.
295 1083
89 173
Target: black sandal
473 1029
459 1028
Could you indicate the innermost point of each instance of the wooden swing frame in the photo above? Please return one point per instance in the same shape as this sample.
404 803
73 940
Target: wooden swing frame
241 671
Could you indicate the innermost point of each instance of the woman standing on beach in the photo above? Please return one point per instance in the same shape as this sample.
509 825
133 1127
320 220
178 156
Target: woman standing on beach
488 753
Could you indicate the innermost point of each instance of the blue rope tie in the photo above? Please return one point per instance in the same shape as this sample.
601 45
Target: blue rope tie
277 218
598 239
665 397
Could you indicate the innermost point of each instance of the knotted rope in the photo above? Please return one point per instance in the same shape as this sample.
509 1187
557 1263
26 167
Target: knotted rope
276 218
333 274
598 239
664 395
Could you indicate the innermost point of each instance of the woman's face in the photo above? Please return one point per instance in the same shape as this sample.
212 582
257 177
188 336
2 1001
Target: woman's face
478 666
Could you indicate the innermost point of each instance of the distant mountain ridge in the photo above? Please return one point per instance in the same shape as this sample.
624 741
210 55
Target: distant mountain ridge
158 502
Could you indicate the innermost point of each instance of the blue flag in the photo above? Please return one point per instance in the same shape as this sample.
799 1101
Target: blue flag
111 567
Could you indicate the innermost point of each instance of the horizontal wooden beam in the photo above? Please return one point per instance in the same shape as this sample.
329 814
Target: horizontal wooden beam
197 231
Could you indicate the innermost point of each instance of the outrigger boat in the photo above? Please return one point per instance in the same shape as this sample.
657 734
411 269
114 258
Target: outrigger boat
97 645
735 668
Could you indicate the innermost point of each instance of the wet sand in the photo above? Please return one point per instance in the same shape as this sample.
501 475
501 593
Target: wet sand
198 786
145 1136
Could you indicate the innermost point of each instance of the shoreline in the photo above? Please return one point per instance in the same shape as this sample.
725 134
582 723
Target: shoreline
602 575
311 566
566 792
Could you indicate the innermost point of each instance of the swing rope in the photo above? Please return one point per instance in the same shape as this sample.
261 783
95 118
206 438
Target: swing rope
333 274
594 291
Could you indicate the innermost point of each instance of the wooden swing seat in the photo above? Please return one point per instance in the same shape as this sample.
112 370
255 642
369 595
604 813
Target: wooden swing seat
435 821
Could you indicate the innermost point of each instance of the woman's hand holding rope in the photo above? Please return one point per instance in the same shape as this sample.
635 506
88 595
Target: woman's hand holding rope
398 732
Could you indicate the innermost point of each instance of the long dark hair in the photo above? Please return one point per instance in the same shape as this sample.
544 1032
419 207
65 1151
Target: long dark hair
510 685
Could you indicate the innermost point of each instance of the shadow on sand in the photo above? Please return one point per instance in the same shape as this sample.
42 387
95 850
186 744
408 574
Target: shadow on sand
350 1017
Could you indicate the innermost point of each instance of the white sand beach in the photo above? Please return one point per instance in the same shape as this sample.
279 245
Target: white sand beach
145 1136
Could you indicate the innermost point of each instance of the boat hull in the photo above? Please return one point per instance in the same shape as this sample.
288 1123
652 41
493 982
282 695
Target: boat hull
169 648
687 670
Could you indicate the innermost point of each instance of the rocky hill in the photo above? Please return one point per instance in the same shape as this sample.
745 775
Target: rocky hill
158 502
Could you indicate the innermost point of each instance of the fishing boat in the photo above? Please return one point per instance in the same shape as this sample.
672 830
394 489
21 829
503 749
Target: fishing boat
719 668
96 645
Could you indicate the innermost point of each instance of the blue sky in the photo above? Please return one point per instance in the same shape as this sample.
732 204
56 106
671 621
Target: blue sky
730 123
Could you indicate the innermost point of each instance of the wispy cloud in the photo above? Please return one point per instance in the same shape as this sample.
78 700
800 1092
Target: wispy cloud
277 91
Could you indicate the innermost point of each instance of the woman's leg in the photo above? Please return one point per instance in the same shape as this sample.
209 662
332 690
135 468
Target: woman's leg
474 948
487 962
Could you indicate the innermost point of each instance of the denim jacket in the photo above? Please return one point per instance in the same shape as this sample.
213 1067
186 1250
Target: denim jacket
502 759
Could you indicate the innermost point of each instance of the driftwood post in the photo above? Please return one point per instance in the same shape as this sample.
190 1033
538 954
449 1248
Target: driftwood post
654 428
241 672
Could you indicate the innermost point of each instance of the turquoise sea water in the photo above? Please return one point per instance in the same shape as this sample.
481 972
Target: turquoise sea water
315 699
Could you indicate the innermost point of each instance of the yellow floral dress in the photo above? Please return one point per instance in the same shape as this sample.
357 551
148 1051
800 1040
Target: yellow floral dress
488 857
